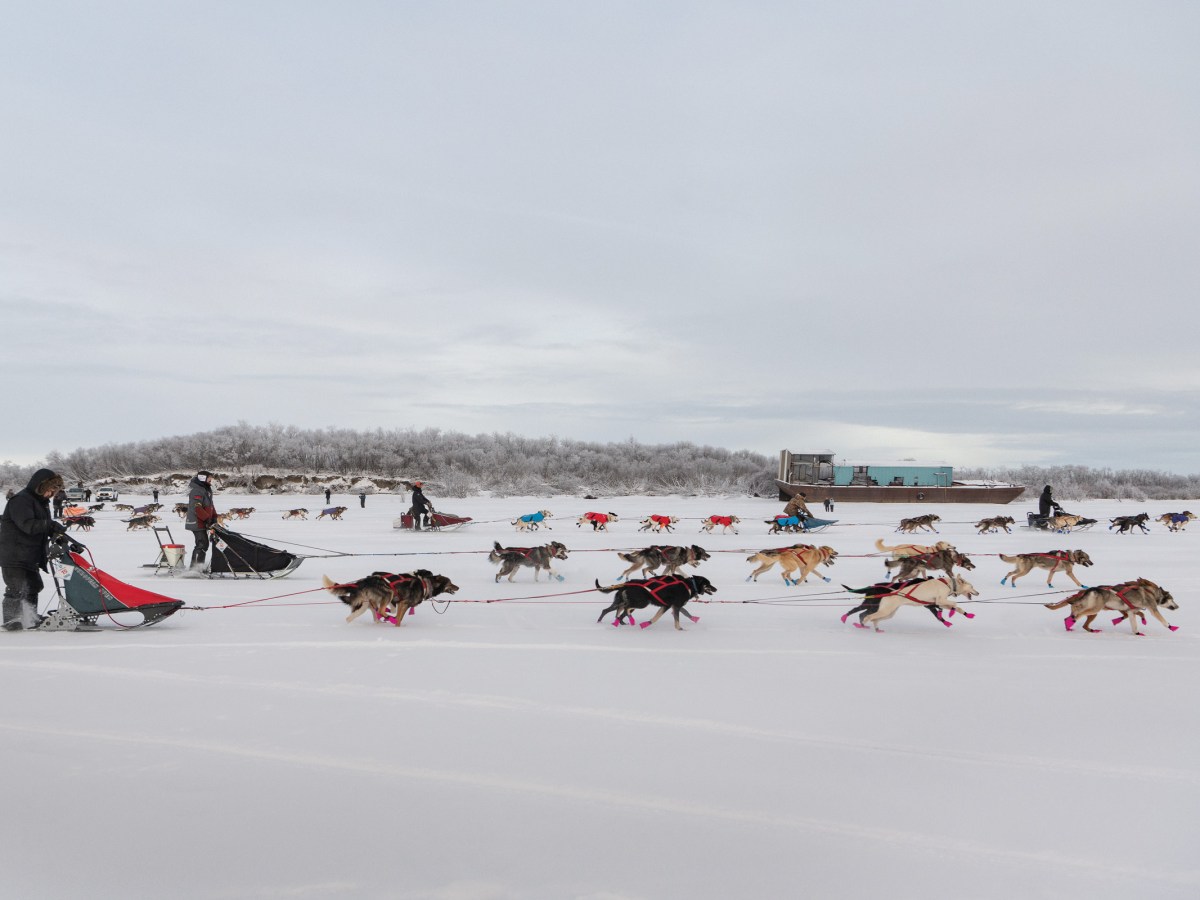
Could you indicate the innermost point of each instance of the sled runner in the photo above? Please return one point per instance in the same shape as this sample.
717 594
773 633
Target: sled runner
86 593
438 521
1046 523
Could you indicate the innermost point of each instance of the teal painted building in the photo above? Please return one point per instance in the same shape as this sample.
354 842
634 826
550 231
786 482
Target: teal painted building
906 473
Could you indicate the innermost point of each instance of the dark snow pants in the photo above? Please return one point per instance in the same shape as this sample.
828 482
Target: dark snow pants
21 589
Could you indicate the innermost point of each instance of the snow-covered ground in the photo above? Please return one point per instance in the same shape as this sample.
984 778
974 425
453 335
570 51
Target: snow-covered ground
518 749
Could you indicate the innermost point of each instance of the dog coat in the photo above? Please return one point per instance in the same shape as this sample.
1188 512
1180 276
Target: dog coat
601 518
661 520
721 520
533 517
784 521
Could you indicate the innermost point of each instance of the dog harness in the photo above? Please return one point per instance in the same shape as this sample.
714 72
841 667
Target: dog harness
654 586
394 583
1059 557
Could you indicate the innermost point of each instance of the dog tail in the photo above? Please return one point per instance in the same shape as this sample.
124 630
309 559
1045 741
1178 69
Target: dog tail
607 590
330 586
1010 559
1066 601
865 590
628 557
881 546
753 558
495 556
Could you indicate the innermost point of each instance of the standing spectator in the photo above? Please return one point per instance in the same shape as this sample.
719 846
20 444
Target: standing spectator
362 499
327 495
201 516
421 507
24 527
155 493
60 497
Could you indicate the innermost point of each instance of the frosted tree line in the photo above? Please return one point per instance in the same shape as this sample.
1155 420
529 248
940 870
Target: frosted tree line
457 465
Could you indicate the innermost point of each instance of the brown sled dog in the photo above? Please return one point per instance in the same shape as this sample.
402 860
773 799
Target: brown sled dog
674 558
917 566
909 526
988 526
1132 599
389 596
537 558
1054 561
804 557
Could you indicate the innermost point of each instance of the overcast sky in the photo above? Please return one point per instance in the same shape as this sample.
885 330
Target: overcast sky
952 230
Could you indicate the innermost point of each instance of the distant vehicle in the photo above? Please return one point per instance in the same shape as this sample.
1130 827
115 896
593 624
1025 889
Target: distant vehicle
105 494
76 494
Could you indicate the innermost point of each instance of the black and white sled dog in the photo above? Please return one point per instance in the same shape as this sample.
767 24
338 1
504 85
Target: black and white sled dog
667 592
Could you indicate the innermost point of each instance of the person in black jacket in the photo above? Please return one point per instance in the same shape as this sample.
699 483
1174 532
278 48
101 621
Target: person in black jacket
25 528
421 506
1047 503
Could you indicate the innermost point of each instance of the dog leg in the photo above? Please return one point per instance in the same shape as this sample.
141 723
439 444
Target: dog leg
658 615
1154 612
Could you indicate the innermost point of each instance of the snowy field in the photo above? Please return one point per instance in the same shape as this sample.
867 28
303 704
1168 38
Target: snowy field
517 749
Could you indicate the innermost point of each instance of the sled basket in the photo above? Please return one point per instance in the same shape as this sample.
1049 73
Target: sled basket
236 556
437 521
88 593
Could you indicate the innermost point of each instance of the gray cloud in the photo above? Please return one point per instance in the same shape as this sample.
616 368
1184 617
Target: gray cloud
918 229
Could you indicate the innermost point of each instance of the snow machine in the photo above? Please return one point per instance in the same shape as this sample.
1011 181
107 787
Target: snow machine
85 593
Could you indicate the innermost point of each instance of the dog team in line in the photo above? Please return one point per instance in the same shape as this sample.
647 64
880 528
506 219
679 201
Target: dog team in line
389 597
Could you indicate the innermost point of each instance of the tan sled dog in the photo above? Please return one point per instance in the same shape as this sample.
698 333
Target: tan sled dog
804 557
1131 599
902 550
1054 561
934 592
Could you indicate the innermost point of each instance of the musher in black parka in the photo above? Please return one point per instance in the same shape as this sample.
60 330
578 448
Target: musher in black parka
421 506
25 528
1047 503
